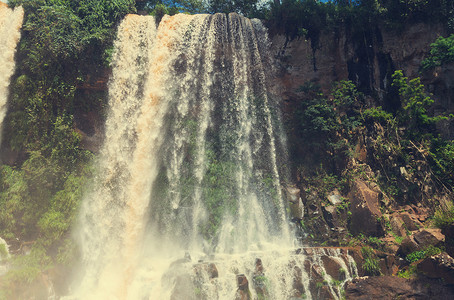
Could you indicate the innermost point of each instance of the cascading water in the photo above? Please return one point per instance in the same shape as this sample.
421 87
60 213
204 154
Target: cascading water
10 25
191 163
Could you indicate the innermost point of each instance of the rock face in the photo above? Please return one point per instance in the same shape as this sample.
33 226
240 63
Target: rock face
438 266
369 62
448 231
365 210
391 287
421 240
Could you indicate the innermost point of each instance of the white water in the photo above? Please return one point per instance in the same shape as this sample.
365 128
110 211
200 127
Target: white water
10 25
189 165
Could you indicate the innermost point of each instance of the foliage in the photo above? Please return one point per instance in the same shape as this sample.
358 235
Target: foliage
410 272
427 252
415 104
371 262
158 8
328 123
444 217
441 52
63 43
312 17
377 114
218 196
3 252
26 268
315 117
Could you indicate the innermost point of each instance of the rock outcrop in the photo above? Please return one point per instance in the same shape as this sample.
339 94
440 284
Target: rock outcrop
391 287
365 208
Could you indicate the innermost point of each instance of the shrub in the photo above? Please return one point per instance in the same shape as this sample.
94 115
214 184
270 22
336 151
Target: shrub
371 262
441 52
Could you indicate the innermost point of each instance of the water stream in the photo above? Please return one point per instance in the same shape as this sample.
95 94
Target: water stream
189 178
10 25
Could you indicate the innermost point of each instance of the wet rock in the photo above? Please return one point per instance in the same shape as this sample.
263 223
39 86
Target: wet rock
298 286
209 268
258 266
259 280
365 210
295 202
324 293
332 267
438 266
184 288
242 292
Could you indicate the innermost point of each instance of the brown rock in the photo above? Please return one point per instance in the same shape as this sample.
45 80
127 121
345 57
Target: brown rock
438 266
365 210
208 268
448 231
408 246
383 287
298 282
332 267
411 222
421 240
429 236
324 293
397 226
243 292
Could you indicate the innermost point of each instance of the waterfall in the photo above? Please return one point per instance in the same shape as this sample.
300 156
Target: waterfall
191 167
10 25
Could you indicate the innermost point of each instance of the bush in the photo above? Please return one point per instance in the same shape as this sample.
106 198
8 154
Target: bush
371 262
441 52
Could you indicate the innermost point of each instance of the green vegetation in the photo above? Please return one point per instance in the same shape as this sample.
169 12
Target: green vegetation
63 44
444 217
159 7
408 273
371 262
441 52
417 255
3 252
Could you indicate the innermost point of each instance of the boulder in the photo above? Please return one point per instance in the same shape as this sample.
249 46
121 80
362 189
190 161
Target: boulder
392 287
411 222
335 197
407 246
298 286
242 292
184 288
438 266
365 209
429 236
209 268
397 226
448 231
421 240
332 267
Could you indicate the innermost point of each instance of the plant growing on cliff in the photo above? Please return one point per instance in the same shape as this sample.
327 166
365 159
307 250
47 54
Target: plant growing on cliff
441 52
371 262
415 104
